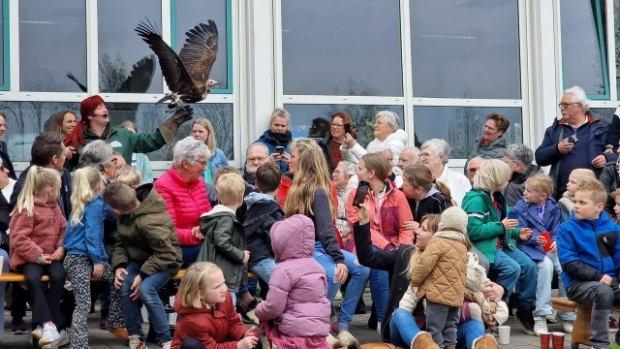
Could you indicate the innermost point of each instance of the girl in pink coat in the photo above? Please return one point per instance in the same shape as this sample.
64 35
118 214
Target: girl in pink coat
297 299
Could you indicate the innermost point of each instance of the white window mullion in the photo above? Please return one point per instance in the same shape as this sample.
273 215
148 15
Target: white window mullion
14 44
166 32
611 49
405 34
278 47
525 64
92 47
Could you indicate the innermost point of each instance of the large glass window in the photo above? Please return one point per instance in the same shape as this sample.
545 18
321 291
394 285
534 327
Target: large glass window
465 48
462 126
126 63
583 47
188 13
313 121
344 47
3 64
52 45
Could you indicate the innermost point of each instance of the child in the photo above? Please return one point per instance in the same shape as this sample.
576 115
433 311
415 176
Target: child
207 317
147 255
567 202
129 175
37 234
589 251
538 211
224 238
84 245
424 194
616 197
297 289
444 258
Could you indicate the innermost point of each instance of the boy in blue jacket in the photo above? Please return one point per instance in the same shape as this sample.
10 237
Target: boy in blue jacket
589 251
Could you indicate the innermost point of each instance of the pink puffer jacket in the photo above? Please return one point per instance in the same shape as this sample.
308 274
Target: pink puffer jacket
184 202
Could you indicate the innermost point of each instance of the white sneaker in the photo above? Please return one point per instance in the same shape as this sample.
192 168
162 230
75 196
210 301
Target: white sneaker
62 340
540 325
566 324
37 332
50 334
166 345
137 342
379 327
552 318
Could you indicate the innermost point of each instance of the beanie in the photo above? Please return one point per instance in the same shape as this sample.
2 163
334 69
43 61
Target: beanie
455 218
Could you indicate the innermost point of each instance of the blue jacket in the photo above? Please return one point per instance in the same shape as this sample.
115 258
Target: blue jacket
528 217
548 154
271 144
215 162
588 249
86 238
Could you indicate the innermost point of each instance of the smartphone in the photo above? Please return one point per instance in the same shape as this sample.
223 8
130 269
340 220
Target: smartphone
347 128
360 194
279 149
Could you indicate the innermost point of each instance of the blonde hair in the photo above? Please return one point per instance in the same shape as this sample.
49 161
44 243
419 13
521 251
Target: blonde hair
595 189
86 185
583 174
419 175
433 226
230 188
129 175
211 143
37 179
311 174
303 144
491 174
193 281
542 183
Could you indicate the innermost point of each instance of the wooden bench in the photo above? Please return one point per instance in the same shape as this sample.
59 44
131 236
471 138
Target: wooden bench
582 329
17 277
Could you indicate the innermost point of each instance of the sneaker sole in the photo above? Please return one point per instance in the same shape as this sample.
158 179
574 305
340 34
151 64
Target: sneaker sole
19 332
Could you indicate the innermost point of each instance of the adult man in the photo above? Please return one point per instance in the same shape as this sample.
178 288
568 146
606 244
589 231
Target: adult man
519 158
576 141
256 155
472 168
408 157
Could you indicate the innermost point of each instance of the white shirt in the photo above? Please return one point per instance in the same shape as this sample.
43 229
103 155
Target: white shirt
459 184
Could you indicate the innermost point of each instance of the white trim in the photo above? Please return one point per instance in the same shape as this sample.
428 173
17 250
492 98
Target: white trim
14 44
108 97
360 100
278 48
611 49
92 51
524 69
405 33
166 29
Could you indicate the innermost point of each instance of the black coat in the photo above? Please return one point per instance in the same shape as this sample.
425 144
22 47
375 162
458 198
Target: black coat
435 203
257 226
65 191
6 161
611 182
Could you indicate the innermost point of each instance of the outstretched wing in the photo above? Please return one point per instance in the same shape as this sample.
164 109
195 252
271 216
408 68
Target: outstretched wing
199 53
140 77
175 74
80 85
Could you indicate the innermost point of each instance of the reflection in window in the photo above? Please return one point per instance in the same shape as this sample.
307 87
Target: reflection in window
363 59
126 63
2 67
465 49
52 44
461 126
191 12
582 44
314 121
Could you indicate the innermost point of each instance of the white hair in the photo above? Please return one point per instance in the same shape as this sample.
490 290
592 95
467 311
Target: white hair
439 146
280 113
390 117
189 149
579 96
96 154
257 144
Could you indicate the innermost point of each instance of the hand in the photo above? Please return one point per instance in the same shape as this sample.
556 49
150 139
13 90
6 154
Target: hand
510 223
197 233
554 248
44 259
286 158
362 212
411 225
250 332
493 291
349 141
118 277
58 254
525 234
246 256
247 343
341 273
187 112
136 288
599 161
565 146
69 151
606 279
98 271
541 241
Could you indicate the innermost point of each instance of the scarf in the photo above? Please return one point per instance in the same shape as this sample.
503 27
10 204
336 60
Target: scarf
281 138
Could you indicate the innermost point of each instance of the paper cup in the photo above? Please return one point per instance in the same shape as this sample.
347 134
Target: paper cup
545 338
557 338
504 334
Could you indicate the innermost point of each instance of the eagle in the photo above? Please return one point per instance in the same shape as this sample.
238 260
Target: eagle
186 74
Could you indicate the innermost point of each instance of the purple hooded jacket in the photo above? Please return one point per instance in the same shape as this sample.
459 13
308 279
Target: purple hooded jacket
297 286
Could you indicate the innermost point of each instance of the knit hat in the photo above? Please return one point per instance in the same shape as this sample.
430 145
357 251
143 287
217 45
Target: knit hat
455 218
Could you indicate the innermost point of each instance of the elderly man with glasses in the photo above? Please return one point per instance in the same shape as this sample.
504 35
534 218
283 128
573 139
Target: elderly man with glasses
578 140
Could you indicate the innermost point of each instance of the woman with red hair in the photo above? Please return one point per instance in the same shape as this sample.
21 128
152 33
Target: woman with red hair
95 124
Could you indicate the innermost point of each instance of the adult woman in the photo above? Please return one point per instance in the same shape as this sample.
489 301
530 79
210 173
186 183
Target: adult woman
100 155
278 135
138 160
399 327
390 227
95 124
4 151
202 130
491 144
340 177
62 122
491 232
435 155
332 143
387 134
185 193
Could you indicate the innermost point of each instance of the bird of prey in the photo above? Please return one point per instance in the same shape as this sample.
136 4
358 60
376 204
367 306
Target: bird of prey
186 74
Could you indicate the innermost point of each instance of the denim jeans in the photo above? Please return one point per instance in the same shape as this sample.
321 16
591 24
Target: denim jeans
403 330
190 254
355 289
505 272
543 288
264 268
5 269
557 267
148 295
328 264
379 289
527 278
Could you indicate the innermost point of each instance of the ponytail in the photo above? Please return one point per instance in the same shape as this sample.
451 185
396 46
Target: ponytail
445 190
37 179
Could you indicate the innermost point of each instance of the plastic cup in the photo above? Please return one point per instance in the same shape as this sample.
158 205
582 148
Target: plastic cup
547 236
557 338
545 338
513 215
504 334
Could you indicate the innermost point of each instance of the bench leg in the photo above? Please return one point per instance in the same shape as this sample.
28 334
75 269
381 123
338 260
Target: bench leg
582 331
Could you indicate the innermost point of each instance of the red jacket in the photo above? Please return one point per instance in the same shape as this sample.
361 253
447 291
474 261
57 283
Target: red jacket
218 328
40 234
184 203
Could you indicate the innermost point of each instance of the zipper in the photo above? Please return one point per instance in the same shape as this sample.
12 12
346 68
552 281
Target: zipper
599 255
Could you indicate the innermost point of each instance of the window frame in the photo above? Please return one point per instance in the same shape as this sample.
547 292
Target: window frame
6 47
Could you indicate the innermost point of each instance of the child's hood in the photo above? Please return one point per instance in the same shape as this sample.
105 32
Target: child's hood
254 198
217 211
293 238
450 235
152 203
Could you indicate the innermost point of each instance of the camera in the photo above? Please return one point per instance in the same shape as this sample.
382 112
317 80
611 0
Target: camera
572 139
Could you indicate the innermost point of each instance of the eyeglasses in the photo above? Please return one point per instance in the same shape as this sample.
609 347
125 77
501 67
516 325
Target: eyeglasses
256 159
105 116
337 125
114 160
566 105
424 155
381 123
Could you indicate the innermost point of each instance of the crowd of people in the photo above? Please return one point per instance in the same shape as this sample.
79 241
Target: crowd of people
446 255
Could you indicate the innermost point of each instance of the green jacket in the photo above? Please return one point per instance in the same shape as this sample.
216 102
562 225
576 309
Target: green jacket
484 227
224 245
123 141
147 236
